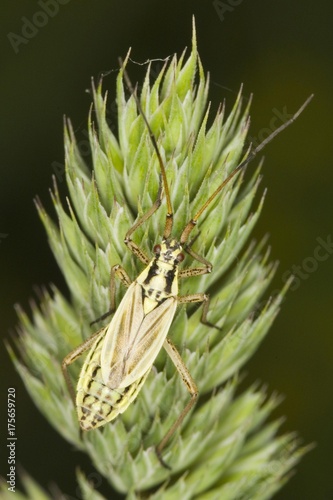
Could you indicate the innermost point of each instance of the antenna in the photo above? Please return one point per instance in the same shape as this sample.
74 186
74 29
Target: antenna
169 216
192 223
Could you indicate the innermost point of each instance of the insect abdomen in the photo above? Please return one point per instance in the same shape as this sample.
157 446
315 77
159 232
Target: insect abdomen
97 403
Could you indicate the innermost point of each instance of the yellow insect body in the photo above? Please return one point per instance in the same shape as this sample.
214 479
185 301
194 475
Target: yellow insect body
124 352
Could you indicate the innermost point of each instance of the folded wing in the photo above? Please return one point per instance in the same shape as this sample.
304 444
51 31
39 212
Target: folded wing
133 340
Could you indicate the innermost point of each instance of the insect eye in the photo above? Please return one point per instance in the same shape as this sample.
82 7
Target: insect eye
157 249
180 257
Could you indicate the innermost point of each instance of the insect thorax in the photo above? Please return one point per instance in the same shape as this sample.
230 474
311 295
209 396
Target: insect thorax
160 278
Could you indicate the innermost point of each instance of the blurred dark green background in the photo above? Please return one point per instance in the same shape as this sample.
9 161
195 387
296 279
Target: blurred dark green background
282 51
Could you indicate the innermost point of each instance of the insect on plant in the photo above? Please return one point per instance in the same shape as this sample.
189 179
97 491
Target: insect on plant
122 353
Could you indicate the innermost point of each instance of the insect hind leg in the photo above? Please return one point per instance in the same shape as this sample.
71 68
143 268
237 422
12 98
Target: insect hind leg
192 389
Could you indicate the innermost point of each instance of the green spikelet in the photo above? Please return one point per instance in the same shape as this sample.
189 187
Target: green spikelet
225 448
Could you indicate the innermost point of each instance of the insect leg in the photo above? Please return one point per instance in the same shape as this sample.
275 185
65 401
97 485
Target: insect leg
199 297
119 272
196 271
134 248
73 355
191 387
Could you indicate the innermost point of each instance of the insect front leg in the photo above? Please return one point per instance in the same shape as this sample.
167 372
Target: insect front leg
198 297
196 271
192 389
119 272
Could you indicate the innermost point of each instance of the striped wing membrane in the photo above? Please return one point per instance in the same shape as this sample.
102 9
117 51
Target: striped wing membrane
133 339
